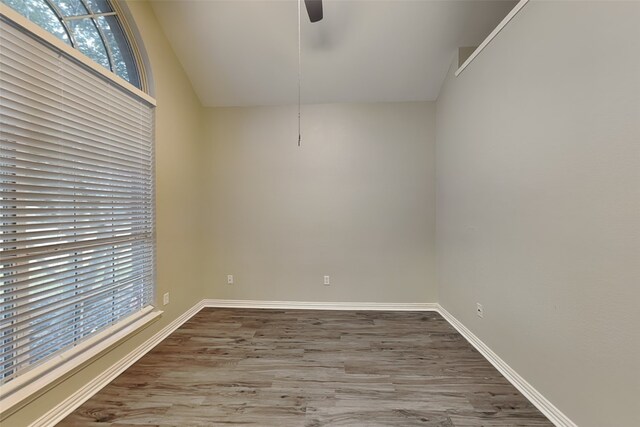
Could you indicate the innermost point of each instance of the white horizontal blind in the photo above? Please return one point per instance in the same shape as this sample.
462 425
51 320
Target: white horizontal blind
76 200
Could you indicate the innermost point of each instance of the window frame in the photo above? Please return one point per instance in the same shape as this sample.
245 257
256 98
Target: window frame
51 40
36 381
133 68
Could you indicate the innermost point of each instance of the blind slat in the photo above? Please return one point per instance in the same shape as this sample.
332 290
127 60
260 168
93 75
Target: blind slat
39 334
76 202
23 318
11 247
80 182
48 129
62 159
62 122
10 197
67 163
69 281
62 264
15 172
45 92
77 223
44 327
18 132
22 264
60 150
54 342
8 189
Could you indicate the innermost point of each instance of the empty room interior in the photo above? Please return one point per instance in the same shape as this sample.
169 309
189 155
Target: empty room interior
320 213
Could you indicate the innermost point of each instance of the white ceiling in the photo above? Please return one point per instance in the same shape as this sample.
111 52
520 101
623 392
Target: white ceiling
240 53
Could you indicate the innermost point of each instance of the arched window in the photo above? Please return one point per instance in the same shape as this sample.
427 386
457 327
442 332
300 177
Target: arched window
77 208
91 26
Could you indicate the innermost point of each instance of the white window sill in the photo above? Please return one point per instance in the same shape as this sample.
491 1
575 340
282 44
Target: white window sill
31 384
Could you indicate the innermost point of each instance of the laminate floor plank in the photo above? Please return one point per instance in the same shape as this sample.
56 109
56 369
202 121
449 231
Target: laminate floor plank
251 367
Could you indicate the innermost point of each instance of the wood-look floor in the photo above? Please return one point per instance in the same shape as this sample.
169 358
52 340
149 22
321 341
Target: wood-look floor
310 368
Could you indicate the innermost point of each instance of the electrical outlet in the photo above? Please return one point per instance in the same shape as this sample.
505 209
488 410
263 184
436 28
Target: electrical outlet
165 299
327 280
230 279
479 310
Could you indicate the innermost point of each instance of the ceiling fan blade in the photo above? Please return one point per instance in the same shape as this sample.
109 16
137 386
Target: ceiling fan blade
314 9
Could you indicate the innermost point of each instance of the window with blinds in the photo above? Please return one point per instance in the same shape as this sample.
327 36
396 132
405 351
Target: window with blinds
76 200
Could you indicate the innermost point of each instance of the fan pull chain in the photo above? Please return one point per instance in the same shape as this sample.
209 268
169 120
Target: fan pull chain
299 72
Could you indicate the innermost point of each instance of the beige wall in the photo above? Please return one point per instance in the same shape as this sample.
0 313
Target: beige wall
355 202
538 203
177 136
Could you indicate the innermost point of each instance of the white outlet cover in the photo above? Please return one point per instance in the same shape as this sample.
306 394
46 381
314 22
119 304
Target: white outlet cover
327 280
165 299
479 310
230 279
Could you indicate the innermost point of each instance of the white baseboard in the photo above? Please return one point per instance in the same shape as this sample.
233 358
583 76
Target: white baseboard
534 396
68 405
82 395
303 305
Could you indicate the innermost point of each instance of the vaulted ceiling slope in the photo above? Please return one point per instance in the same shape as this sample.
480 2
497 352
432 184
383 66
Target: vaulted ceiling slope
243 53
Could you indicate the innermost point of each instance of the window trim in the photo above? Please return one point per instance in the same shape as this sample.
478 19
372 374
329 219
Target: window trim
25 388
78 56
136 44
